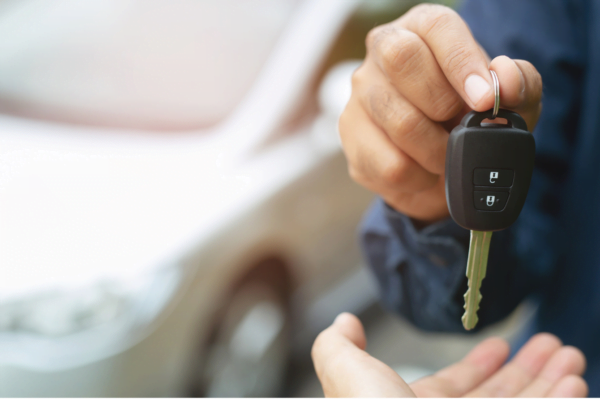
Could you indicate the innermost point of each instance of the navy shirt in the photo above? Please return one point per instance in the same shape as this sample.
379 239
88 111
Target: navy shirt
552 252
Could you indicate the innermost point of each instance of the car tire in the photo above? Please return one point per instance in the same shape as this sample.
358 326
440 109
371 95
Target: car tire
249 351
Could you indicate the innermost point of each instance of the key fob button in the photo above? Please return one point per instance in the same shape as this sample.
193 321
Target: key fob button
493 177
490 201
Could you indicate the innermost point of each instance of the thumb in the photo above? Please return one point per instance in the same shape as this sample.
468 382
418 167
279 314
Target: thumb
346 370
349 326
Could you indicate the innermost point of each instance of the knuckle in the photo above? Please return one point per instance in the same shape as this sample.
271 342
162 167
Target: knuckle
393 172
381 105
435 17
355 174
431 9
409 121
412 126
393 46
401 53
376 35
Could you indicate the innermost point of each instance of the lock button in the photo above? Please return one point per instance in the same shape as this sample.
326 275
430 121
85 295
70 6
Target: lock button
493 177
490 201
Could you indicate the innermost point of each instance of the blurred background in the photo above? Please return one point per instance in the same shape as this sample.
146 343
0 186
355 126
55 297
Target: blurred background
176 217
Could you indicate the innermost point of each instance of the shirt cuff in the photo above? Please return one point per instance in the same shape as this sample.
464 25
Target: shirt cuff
420 271
441 243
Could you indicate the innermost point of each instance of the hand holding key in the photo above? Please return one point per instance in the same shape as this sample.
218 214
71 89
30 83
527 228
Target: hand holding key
422 73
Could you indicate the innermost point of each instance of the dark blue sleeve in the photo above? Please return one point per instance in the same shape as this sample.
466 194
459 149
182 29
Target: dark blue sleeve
421 273
418 271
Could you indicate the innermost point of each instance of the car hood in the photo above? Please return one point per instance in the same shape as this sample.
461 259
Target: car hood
78 205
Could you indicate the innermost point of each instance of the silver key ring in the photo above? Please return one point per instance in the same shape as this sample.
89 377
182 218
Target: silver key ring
496 94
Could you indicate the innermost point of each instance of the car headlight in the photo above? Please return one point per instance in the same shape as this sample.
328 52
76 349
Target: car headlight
60 313
64 312
67 328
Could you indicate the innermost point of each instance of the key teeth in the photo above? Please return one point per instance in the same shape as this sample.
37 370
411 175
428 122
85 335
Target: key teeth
476 271
467 296
464 319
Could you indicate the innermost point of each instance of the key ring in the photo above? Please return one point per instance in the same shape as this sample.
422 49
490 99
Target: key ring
496 94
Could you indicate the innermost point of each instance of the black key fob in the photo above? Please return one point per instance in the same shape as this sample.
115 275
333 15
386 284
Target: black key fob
488 170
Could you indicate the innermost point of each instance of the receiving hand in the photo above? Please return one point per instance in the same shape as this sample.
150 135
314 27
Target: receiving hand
542 368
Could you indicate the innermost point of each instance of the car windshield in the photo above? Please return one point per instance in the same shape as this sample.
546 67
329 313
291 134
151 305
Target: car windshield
154 64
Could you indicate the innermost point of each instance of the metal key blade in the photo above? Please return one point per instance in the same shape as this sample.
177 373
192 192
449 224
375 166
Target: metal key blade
476 268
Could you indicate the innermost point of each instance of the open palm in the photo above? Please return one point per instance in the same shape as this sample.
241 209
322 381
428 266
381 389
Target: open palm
543 367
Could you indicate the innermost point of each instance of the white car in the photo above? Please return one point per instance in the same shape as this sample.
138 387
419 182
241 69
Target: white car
154 242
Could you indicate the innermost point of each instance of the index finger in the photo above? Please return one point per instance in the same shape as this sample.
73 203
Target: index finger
459 56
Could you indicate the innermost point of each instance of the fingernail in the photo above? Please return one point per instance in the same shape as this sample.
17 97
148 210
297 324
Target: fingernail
476 88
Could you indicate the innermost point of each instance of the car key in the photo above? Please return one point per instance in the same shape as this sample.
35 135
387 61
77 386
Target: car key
488 171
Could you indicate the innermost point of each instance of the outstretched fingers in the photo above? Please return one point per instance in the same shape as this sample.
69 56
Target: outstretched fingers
566 362
459 379
541 363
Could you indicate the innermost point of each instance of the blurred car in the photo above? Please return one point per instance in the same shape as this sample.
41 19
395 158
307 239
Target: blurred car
176 216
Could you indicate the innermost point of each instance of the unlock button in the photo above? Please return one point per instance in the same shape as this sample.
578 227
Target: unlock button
490 201
493 177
